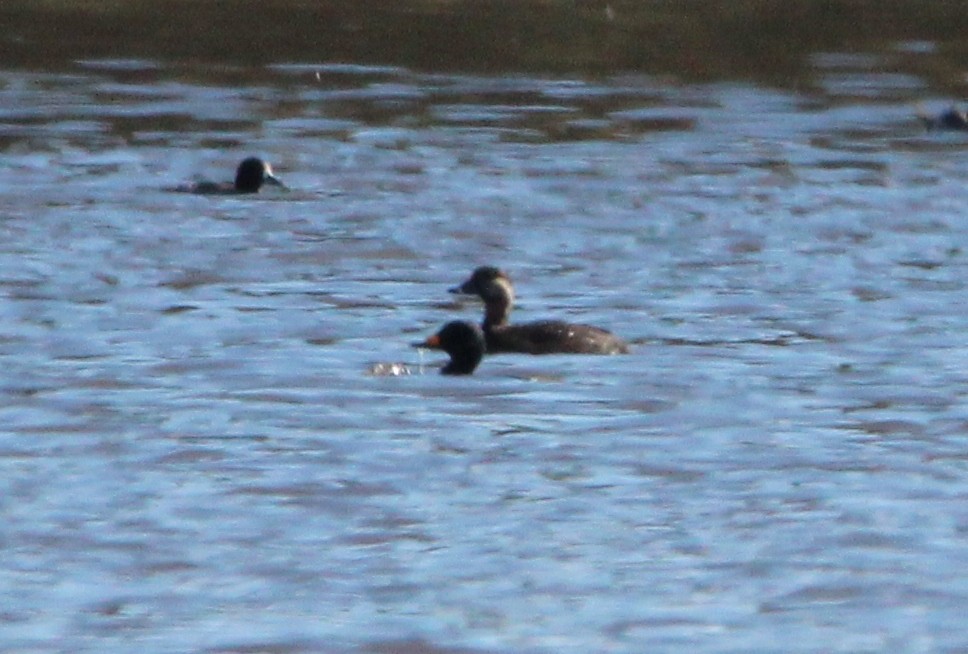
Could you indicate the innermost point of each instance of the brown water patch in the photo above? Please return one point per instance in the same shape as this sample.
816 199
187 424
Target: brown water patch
772 41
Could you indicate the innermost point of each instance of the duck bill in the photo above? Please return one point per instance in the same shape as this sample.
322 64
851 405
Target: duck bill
275 181
432 343
463 289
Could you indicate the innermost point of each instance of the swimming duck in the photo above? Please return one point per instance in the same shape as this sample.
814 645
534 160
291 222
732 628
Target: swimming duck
539 337
250 176
463 341
950 119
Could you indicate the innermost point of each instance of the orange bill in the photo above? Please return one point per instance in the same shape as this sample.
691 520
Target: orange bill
432 342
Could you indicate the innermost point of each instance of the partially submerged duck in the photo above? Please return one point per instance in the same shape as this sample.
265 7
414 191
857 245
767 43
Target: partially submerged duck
463 341
951 118
539 337
251 175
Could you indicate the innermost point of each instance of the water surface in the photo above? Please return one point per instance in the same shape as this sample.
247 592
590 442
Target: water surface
194 456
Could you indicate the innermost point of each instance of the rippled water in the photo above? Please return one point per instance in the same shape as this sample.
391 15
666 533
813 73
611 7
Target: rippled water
195 458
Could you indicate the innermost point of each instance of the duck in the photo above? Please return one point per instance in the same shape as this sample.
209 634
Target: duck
539 337
250 176
949 119
463 341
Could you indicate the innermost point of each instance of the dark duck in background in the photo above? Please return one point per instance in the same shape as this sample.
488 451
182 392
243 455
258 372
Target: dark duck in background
251 175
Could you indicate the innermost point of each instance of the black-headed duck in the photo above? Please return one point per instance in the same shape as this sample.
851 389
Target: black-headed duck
463 341
251 175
